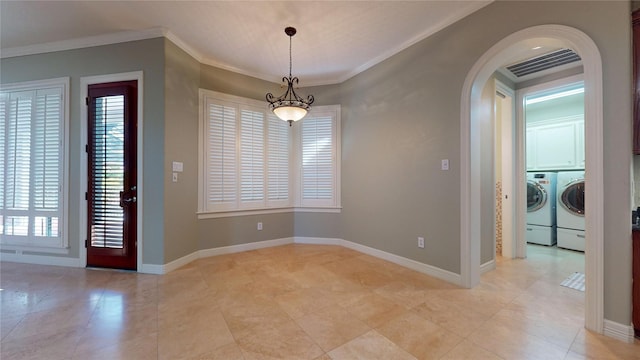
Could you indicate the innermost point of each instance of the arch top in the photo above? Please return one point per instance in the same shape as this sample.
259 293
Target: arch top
504 51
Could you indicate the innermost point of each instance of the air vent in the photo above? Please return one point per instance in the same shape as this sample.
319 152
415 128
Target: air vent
543 62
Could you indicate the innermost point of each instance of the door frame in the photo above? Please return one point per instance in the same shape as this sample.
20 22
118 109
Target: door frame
521 95
85 81
510 248
475 80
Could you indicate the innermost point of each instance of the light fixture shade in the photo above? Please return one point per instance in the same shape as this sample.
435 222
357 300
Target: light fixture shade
289 106
290 113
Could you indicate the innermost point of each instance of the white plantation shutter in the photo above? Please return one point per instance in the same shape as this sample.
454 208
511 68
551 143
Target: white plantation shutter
247 157
221 157
278 162
47 161
3 118
32 125
252 158
318 168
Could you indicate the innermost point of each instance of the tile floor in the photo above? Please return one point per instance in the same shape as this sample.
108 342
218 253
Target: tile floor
299 302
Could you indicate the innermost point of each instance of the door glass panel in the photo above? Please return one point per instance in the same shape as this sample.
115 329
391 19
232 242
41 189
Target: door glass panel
573 198
107 172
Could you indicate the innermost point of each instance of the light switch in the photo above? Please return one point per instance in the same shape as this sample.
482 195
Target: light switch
445 164
177 166
175 177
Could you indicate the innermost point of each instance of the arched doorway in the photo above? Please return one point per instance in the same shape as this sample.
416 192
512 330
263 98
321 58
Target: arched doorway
470 163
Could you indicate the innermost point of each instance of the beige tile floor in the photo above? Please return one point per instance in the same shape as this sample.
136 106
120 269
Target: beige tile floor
299 302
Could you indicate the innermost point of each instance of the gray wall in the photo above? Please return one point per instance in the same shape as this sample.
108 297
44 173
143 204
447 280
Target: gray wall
182 81
148 56
402 116
399 119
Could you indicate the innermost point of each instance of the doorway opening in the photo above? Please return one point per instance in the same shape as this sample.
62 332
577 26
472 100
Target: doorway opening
112 175
111 171
471 117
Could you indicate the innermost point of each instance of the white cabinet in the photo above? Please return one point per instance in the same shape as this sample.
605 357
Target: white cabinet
556 144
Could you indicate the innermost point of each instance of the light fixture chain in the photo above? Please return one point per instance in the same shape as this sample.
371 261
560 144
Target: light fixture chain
290 57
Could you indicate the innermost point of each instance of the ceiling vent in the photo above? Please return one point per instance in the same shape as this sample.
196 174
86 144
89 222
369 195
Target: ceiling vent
543 62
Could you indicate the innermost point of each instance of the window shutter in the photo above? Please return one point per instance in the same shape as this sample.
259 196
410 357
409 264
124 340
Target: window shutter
251 158
4 100
221 157
46 155
278 161
318 174
31 165
19 150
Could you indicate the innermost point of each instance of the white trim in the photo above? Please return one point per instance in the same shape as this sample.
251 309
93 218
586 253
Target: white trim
152 269
170 266
40 259
223 214
175 264
399 260
618 331
244 247
470 204
334 210
488 266
84 42
319 241
396 259
19 249
135 35
509 176
84 84
408 263
445 22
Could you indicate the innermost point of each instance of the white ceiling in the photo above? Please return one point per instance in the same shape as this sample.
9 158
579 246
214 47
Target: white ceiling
335 39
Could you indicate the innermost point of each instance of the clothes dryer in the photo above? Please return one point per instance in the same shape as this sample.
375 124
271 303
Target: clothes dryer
570 210
541 208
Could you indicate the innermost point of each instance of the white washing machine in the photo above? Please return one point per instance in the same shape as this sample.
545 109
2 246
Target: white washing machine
570 210
541 208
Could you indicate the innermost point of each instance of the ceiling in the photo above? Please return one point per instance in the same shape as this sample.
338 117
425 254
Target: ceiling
335 41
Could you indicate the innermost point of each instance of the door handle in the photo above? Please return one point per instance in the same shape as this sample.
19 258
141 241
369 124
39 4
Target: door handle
124 201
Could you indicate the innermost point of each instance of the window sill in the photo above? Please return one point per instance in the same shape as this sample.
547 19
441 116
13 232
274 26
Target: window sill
24 249
223 214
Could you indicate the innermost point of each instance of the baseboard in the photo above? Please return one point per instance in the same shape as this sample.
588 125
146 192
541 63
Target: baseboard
243 247
408 263
175 264
318 241
488 266
40 259
152 269
170 266
178 263
618 331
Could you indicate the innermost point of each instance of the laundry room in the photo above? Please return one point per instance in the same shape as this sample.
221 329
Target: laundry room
555 161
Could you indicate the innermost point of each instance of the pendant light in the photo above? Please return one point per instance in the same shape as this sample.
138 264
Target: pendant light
289 106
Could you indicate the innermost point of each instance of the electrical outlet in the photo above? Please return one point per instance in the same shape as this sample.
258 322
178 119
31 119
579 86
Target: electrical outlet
259 226
421 242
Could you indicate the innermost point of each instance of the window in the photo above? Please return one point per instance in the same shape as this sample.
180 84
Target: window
32 164
318 134
252 161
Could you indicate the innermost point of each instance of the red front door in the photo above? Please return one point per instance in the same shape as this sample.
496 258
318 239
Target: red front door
112 177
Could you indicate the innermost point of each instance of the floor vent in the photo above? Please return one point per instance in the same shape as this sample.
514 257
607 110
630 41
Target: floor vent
543 62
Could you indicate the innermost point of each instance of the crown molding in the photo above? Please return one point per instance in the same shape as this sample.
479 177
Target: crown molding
445 22
79 43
